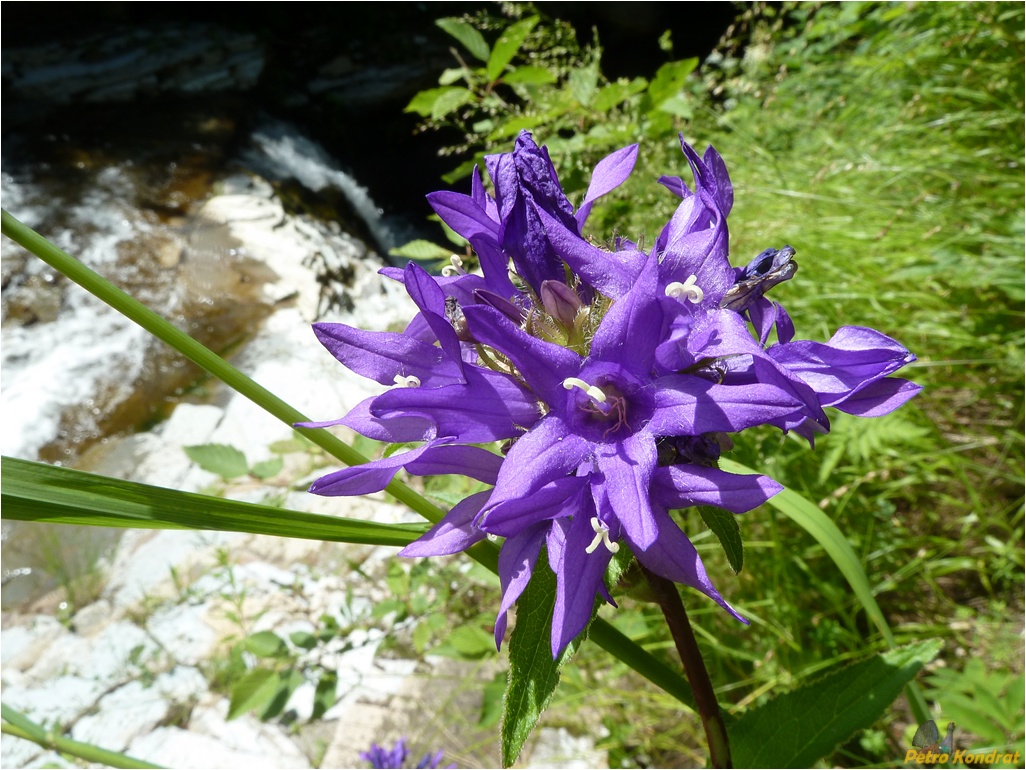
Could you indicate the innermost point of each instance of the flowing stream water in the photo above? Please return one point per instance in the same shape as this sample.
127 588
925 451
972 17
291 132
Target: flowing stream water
74 371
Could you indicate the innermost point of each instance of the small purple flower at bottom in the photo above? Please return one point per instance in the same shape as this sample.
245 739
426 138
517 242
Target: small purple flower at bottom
379 757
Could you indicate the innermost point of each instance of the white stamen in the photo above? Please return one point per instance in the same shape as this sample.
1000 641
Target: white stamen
455 267
686 291
406 382
601 536
596 393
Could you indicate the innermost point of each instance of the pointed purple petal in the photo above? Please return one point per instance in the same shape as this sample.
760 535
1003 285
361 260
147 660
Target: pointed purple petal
632 327
673 556
543 365
454 533
577 582
369 477
548 451
425 291
517 558
613 274
628 467
464 215
610 172
472 461
381 356
490 407
688 406
879 398
680 486
506 516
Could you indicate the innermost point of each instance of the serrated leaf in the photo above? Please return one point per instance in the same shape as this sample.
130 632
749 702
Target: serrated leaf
533 674
507 45
468 36
530 75
265 644
220 459
267 468
799 727
326 694
421 250
254 691
724 525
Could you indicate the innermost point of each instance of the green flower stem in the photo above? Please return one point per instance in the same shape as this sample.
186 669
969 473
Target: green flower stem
17 724
687 647
485 553
199 354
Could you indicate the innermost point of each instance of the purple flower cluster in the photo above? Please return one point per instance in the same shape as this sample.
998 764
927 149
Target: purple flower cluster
381 758
612 376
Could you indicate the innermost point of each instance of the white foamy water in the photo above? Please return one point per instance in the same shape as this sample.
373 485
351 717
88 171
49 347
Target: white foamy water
281 152
50 366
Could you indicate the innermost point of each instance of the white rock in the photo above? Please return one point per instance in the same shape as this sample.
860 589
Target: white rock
190 424
58 702
174 747
245 733
106 658
181 684
557 748
122 715
183 632
17 752
23 645
92 618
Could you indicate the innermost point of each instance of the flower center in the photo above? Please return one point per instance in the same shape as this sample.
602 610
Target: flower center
601 536
688 291
606 404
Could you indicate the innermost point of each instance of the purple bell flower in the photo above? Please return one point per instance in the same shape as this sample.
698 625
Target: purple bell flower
612 377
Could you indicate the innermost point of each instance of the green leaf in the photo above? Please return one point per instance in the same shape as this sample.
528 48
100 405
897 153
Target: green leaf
288 681
615 93
326 694
256 690
453 99
267 468
468 642
724 525
40 492
533 674
530 76
424 102
507 45
469 37
265 644
304 640
670 79
421 250
800 727
221 459
583 84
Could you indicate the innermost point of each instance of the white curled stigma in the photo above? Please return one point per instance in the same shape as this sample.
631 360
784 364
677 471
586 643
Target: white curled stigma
455 267
601 536
594 392
687 291
406 382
